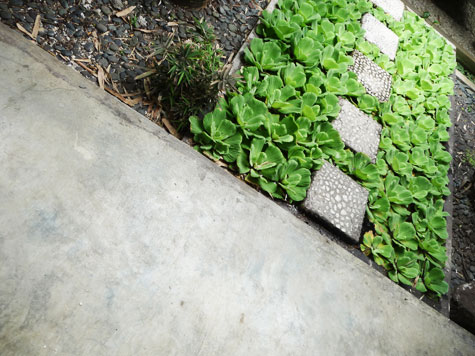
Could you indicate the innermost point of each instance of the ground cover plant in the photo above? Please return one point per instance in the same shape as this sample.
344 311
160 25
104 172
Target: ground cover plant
275 128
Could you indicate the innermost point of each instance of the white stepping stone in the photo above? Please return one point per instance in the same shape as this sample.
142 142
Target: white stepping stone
357 130
375 79
376 32
338 200
395 8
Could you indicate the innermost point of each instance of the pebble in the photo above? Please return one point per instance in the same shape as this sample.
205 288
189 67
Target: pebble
6 15
106 10
117 4
66 53
113 47
103 62
113 59
16 2
101 27
89 46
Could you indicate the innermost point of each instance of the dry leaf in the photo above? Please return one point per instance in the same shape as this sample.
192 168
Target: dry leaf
121 98
171 24
145 30
170 127
85 60
147 84
145 74
95 40
100 76
36 27
125 12
86 68
22 29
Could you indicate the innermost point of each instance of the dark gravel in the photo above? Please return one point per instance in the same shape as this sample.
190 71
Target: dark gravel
463 258
69 29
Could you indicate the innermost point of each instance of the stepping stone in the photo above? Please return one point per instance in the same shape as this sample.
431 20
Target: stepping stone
338 200
376 32
395 8
375 79
357 130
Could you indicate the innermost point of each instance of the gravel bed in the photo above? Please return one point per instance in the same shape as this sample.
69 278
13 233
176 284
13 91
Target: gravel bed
463 257
88 34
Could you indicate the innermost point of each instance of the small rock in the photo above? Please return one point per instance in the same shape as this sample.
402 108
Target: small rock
88 46
113 47
106 10
101 27
66 53
16 3
117 4
113 59
6 15
103 62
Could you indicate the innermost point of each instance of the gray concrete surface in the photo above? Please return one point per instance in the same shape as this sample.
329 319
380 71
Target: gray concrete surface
117 239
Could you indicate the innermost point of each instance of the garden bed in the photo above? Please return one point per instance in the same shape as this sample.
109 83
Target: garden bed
276 128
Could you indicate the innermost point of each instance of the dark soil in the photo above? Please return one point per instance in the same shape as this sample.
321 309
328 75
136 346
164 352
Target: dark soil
463 257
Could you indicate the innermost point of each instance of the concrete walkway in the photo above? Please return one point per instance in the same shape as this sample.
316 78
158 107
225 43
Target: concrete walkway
117 239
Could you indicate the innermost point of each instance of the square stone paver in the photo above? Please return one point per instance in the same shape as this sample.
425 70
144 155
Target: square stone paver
376 32
395 8
338 200
357 130
375 79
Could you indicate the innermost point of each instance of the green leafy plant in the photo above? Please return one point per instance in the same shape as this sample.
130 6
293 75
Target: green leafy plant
275 129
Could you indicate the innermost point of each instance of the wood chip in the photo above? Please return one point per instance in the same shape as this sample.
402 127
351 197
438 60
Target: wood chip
36 27
172 23
100 76
85 60
170 127
125 12
22 29
145 30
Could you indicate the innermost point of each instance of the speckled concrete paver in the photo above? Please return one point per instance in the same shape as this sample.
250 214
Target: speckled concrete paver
338 200
378 33
395 8
375 79
357 130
